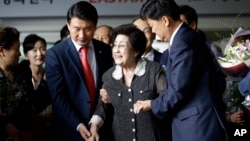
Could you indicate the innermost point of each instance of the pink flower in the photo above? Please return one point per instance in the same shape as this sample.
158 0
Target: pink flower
247 44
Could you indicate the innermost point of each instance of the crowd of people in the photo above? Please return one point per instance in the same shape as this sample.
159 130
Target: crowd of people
103 83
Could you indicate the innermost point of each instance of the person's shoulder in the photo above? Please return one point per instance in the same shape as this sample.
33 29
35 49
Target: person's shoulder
100 44
157 52
23 70
153 65
184 35
157 56
23 66
24 63
61 46
109 72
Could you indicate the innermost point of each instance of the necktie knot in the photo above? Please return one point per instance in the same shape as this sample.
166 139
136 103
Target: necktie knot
84 50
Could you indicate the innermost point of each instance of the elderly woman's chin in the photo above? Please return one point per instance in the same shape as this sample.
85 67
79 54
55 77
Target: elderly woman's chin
118 62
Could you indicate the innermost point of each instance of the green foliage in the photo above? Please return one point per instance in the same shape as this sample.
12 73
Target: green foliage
236 97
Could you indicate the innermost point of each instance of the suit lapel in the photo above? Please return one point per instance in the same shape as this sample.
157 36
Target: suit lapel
73 57
98 56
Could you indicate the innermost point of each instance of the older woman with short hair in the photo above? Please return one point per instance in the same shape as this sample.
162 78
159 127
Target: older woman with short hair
131 79
15 106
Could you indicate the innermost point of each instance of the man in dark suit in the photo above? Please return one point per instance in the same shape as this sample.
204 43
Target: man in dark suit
71 99
191 100
189 16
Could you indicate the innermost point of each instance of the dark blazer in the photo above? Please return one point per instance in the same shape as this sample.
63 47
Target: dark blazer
195 108
157 56
40 98
70 98
146 125
164 58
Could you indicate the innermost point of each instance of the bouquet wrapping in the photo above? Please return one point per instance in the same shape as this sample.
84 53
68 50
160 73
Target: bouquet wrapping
237 54
236 62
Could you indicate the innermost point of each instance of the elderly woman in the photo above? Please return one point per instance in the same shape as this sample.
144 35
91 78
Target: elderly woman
131 79
15 108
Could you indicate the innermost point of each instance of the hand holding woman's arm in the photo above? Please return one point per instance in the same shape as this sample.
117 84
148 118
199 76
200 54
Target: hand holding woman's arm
142 106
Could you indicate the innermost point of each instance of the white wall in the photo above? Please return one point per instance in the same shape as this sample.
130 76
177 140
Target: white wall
49 27
47 17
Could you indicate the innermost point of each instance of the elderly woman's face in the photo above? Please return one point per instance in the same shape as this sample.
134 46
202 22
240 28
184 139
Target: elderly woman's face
11 56
123 53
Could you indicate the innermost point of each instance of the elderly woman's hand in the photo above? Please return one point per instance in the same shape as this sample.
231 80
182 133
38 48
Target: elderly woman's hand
105 97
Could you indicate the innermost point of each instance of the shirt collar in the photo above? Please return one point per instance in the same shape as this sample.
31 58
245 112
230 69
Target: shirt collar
174 33
139 70
78 47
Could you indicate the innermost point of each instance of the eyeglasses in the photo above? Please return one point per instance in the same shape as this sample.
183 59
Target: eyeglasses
120 45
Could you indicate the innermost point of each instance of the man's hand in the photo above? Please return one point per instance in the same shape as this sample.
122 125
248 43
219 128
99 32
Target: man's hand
94 133
142 106
105 97
84 132
237 117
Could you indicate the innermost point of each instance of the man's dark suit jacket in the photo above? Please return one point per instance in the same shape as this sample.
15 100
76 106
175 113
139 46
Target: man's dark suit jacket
65 77
196 110
157 56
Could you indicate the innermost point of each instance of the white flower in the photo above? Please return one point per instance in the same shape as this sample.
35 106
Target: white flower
237 49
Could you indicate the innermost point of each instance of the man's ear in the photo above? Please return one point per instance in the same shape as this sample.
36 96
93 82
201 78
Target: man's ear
165 20
193 25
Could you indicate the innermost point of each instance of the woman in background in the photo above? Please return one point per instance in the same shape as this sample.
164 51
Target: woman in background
34 49
16 109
